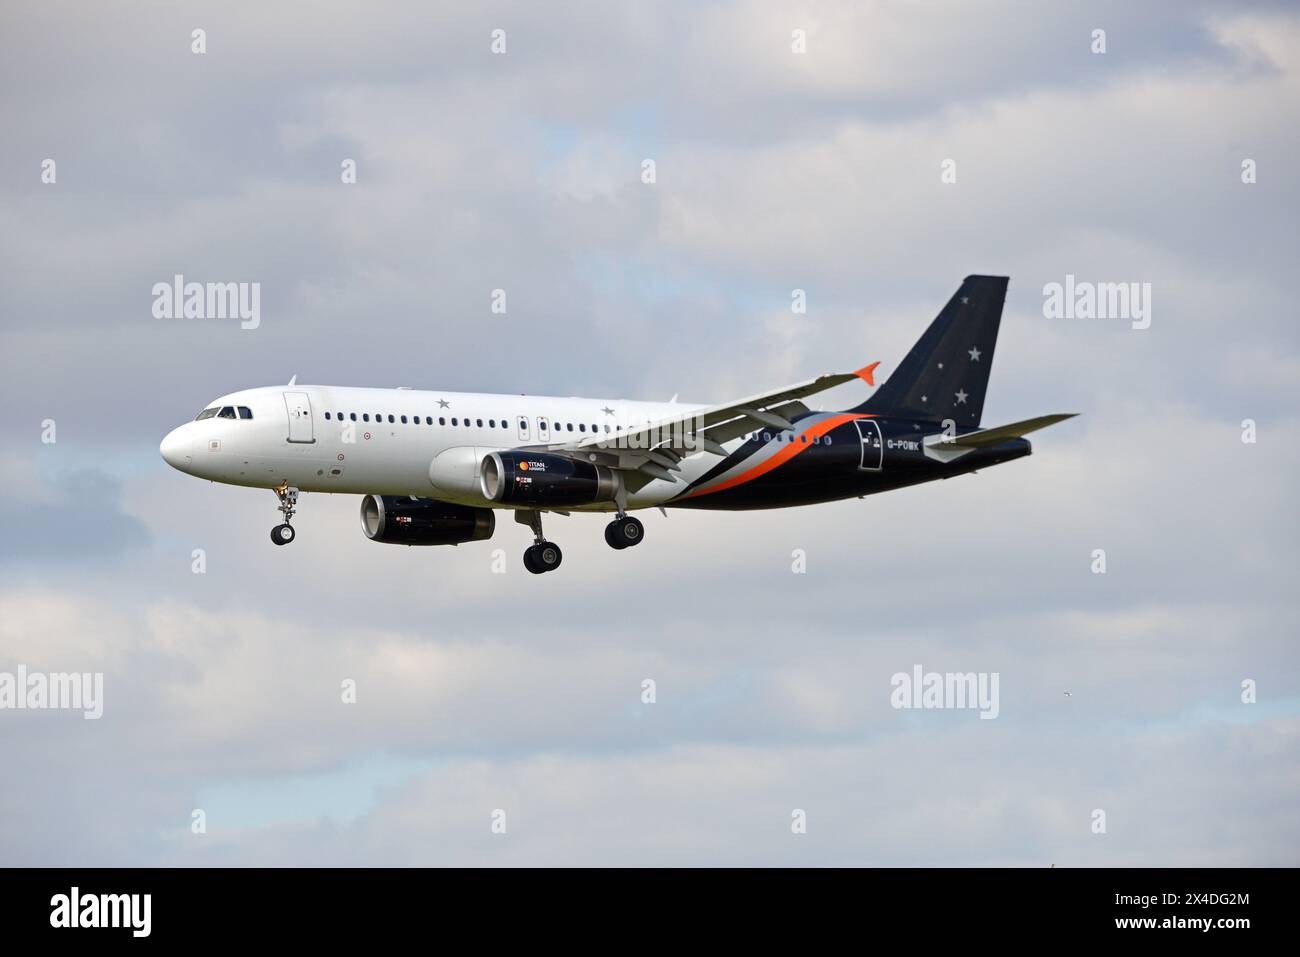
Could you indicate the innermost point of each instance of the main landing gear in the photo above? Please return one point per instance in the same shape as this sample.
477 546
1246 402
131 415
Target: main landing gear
284 534
542 556
624 532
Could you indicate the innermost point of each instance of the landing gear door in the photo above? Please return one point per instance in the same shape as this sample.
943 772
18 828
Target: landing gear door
873 448
300 425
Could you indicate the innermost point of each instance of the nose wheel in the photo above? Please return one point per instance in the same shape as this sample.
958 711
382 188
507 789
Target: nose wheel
624 532
284 534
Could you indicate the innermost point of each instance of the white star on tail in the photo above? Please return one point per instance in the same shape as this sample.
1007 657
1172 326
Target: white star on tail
961 397
974 355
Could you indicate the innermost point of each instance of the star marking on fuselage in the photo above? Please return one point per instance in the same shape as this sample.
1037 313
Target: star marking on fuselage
607 410
961 396
443 404
974 355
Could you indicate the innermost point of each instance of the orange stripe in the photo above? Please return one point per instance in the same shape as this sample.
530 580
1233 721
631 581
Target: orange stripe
785 455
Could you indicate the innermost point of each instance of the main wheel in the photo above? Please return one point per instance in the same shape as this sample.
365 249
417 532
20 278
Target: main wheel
629 531
282 534
548 556
612 537
530 560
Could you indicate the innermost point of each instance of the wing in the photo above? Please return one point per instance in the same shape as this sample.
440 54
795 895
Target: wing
654 450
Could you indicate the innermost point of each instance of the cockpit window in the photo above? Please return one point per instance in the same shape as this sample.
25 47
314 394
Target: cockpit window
227 412
245 412
206 414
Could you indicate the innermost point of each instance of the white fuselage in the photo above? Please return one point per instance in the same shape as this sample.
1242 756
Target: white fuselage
340 439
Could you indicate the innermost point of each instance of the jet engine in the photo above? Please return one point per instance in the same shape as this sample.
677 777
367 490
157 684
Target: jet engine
402 520
543 480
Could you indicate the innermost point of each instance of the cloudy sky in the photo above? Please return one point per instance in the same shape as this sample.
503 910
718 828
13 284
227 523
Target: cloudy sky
774 171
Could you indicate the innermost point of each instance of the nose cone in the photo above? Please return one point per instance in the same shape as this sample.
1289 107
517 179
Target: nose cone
175 449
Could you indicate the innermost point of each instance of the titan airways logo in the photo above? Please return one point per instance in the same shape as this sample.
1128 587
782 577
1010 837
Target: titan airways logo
103 910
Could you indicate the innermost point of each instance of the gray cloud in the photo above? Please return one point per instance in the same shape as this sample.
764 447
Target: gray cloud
83 523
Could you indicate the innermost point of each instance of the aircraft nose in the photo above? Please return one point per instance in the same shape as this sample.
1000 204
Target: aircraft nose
175 448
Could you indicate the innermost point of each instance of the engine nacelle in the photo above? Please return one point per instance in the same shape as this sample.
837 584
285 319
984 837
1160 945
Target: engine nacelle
544 480
401 520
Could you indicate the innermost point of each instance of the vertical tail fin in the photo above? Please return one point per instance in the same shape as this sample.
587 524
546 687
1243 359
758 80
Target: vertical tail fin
946 375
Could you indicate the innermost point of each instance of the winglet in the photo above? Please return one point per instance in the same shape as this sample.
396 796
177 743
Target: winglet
867 373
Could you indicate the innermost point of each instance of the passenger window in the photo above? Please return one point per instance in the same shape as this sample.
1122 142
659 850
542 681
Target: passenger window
390 418
352 416
569 427
206 414
365 416
442 420
453 421
480 423
403 420
245 412
227 412
492 423
428 420
607 428
582 427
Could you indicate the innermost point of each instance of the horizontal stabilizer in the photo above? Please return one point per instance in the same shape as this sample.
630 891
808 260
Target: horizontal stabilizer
986 437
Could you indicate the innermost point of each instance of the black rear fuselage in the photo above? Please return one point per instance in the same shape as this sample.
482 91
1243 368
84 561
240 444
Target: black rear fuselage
850 460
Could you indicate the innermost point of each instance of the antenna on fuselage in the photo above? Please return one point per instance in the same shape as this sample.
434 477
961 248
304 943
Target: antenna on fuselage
293 379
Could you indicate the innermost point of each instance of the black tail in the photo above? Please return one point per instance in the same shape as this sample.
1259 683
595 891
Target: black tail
946 375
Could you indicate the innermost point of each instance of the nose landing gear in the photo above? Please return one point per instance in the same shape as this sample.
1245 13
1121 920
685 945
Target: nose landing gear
284 534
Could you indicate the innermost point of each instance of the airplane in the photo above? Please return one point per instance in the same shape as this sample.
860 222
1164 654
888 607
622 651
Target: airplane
434 467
